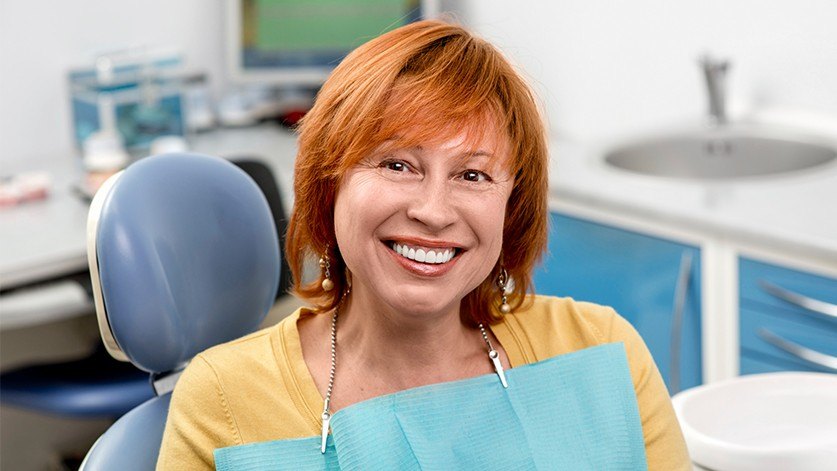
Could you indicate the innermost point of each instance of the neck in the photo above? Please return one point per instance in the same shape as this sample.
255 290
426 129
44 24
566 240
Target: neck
404 347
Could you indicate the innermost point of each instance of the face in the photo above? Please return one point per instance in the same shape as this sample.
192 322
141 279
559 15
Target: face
421 227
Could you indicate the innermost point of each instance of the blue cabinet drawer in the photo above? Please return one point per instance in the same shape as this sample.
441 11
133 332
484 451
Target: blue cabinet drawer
758 326
788 319
757 279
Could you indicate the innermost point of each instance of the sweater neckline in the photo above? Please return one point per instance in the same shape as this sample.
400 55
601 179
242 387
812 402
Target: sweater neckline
303 389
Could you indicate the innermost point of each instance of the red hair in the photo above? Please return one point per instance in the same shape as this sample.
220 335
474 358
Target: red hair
425 81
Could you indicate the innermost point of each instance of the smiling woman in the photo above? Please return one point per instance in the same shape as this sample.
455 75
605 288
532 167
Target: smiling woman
421 186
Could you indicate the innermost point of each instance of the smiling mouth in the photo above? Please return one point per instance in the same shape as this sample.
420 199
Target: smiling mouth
426 255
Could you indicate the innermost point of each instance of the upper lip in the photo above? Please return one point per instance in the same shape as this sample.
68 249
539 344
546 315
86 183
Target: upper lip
421 242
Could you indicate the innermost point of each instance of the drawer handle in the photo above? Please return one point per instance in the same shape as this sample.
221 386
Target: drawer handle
803 353
811 304
681 294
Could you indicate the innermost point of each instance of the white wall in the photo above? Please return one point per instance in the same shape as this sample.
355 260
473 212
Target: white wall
608 66
41 39
601 66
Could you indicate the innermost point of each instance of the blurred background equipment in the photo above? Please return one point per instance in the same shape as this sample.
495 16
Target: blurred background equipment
279 52
289 42
136 93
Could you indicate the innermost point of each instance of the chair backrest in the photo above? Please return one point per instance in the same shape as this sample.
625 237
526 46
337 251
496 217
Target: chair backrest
184 255
266 180
133 442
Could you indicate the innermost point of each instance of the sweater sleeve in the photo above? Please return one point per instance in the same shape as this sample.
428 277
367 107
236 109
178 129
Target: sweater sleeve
199 421
665 447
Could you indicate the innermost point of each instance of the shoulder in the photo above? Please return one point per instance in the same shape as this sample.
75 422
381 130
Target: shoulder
240 366
215 375
553 326
234 354
201 417
225 364
232 394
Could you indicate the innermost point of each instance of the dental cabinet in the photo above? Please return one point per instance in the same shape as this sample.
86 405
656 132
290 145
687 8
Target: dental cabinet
653 282
763 253
761 316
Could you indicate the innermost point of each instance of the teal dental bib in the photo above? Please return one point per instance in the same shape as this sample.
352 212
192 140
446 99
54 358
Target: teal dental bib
575 411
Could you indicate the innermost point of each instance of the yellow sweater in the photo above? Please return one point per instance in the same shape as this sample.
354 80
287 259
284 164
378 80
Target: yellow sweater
258 388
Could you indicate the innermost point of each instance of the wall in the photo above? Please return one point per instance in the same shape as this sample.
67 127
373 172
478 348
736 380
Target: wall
41 39
608 67
601 66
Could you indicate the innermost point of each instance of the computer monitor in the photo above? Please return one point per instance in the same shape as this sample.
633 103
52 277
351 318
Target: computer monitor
299 42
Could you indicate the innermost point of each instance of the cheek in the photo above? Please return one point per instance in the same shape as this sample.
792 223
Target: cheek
487 222
347 216
493 226
492 216
360 207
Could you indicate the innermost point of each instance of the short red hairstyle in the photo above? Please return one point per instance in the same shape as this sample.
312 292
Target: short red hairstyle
433 79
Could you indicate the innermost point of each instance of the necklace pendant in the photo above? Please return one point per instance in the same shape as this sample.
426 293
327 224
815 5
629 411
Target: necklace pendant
498 367
326 420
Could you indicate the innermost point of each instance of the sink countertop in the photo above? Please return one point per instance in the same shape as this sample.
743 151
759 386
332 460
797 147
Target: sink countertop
796 212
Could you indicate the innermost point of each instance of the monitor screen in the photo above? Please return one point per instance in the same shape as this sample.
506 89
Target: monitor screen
299 42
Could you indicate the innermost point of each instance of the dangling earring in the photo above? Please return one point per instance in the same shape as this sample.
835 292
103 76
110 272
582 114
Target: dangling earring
502 281
325 265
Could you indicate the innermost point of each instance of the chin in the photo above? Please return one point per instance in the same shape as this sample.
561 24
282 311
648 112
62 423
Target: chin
424 302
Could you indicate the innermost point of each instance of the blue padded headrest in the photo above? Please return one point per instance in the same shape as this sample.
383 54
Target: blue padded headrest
188 257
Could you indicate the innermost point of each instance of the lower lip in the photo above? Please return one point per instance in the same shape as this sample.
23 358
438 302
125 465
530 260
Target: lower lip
423 269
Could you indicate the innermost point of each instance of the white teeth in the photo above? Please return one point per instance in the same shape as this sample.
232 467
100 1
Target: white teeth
424 256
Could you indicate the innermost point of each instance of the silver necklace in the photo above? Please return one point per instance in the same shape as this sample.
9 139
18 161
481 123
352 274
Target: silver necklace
326 417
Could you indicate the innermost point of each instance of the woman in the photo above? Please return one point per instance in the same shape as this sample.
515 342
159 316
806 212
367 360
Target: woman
421 186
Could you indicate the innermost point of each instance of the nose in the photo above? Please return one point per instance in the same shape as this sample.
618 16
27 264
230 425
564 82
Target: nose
431 204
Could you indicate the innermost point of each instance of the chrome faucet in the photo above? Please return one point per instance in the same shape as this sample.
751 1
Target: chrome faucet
715 72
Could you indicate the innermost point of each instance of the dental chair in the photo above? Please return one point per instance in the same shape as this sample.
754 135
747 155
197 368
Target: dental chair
96 386
184 255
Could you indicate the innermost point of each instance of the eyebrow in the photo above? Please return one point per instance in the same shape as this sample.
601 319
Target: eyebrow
479 153
466 154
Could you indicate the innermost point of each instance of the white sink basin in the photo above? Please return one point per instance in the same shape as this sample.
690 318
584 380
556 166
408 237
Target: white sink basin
726 152
775 421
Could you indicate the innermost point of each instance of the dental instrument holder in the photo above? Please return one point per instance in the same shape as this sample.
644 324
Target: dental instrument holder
137 97
715 71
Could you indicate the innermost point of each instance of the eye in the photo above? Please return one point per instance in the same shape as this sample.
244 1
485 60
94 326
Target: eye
395 165
475 176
